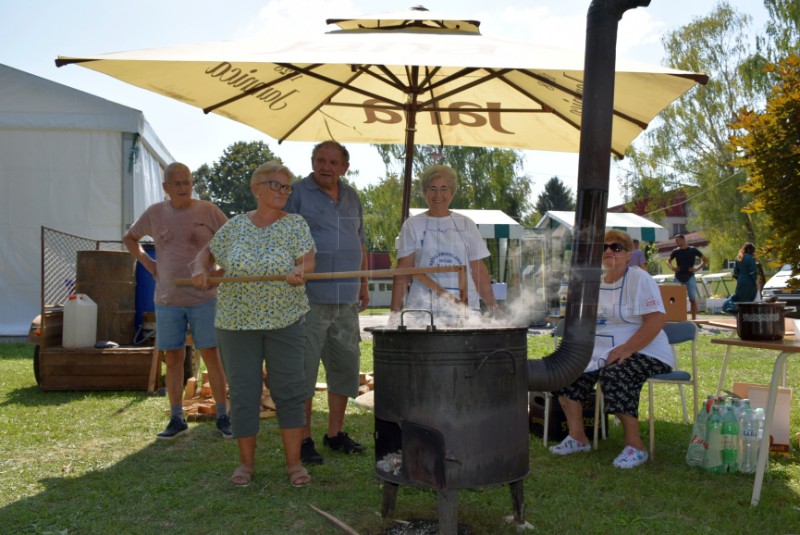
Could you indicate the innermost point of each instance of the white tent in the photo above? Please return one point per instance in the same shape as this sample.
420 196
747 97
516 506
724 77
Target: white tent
71 161
637 226
492 224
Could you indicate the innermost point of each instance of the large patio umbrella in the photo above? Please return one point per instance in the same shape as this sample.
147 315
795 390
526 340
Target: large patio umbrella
413 77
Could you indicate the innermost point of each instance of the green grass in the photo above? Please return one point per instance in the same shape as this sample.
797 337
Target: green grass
88 462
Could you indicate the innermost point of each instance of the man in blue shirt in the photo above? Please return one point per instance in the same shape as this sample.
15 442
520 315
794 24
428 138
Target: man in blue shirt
334 214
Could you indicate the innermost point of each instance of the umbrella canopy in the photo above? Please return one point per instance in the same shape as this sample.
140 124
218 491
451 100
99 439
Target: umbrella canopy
411 77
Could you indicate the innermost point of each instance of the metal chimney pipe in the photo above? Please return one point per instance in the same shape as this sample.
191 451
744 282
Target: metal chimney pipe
570 359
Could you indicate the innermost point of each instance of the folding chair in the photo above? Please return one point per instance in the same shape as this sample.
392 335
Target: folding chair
677 333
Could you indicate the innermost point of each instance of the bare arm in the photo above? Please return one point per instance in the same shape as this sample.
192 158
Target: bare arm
400 283
651 326
201 265
135 248
483 283
363 291
303 265
703 263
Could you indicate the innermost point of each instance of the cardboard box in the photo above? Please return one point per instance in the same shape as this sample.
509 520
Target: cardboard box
758 394
674 298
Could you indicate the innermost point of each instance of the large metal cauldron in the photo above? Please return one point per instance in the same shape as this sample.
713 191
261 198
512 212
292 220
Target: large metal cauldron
451 411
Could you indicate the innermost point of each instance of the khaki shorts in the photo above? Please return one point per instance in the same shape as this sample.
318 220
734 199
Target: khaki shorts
332 336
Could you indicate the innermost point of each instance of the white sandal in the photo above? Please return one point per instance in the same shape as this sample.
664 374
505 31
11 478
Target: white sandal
569 446
630 458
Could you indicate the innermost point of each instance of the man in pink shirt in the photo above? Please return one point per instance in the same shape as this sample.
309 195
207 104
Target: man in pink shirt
180 227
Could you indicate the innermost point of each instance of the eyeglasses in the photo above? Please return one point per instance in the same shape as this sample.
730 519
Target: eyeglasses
180 183
442 189
274 185
615 247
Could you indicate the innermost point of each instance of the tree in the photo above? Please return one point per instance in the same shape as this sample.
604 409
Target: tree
381 203
770 145
227 182
779 39
690 147
487 178
555 196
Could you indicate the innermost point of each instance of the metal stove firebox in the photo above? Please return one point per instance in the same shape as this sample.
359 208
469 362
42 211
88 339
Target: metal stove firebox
451 413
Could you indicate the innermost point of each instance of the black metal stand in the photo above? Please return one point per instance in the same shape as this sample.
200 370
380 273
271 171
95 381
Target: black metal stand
389 498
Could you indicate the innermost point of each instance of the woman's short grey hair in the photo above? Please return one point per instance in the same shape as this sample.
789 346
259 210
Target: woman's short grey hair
438 171
272 167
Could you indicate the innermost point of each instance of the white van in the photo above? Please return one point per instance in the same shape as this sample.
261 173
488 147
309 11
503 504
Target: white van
777 286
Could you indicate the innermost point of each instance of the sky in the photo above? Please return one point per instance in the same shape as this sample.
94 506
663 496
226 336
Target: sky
35 32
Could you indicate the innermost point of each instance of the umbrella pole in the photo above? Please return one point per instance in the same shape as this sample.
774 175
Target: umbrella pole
411 127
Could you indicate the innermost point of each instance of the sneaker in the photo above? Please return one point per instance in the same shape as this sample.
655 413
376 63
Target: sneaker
630 458
309 454
342 442
224 426
569 446
175 428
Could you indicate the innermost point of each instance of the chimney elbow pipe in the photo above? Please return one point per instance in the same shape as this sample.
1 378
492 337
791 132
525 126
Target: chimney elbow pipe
573 354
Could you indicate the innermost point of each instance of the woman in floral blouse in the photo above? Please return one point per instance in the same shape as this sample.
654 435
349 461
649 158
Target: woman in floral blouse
263 322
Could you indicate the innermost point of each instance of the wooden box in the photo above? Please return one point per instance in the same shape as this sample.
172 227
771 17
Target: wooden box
87 368
674 298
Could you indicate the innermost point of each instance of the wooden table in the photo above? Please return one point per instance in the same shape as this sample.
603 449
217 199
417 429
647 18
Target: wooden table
730 325
785 349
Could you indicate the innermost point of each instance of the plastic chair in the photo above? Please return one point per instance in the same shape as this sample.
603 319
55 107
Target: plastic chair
677 333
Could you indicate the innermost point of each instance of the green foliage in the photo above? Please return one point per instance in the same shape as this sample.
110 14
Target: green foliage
487 178
555 196
381 203
770 145
226 182
780 38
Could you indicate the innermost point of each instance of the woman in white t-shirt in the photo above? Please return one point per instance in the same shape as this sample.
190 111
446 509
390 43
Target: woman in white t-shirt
630 346
440 237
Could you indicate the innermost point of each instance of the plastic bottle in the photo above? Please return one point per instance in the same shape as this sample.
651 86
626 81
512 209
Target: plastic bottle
748 441
697 444
80 322
760 419
563 290
712 461
730 441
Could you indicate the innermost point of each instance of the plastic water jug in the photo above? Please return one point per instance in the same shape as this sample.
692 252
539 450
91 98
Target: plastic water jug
80 322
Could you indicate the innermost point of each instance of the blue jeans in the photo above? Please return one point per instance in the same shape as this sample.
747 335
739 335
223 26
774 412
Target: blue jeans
172 324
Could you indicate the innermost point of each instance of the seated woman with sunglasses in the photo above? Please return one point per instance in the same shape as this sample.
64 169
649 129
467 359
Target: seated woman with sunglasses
630 346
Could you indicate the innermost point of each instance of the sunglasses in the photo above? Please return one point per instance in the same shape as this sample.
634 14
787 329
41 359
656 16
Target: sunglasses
615 247
274 185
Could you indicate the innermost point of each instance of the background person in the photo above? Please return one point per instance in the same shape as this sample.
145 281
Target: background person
630 346
333 211
637 257
261 322
180 227
684 257
440 237
745 271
